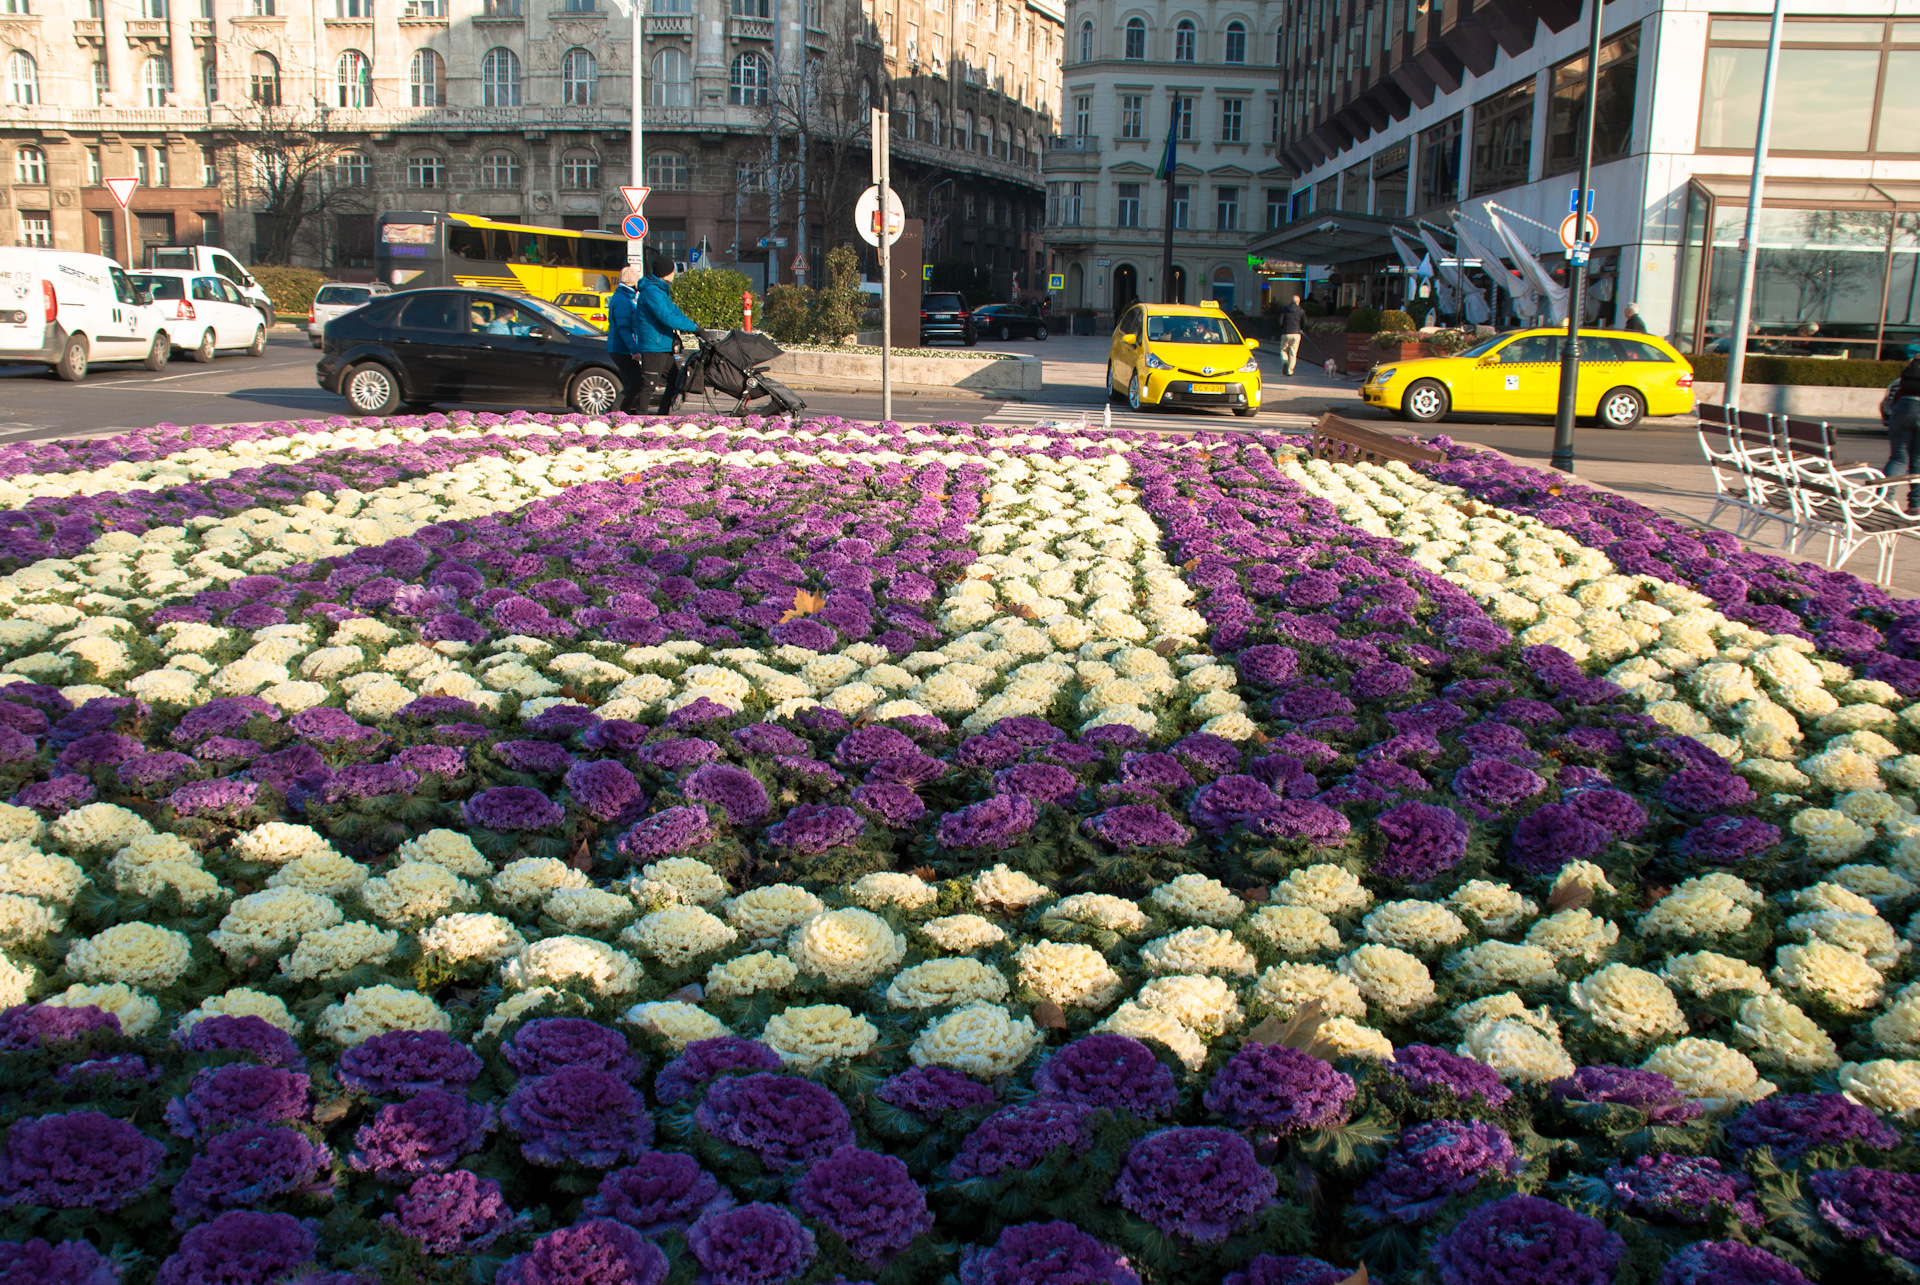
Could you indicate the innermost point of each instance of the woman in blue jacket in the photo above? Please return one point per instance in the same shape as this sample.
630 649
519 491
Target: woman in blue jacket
654 319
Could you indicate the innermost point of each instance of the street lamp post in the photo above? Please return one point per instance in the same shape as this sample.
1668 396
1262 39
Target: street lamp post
1750 242
634 10
1576 263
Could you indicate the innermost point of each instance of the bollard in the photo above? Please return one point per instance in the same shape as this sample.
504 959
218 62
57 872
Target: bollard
746 310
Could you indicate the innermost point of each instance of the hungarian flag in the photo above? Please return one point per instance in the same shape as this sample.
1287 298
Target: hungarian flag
1172 156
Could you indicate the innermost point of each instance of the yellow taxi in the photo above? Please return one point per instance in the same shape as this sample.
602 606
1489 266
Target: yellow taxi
1623 376
1167 354
588 305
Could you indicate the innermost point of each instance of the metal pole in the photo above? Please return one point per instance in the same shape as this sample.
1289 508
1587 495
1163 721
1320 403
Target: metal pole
1173 177
773 167
1750 241
1577 271
637 250
882 177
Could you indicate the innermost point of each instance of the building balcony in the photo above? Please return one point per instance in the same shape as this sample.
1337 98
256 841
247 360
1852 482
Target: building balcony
1081 143
89 31
739 28
669 24
146 31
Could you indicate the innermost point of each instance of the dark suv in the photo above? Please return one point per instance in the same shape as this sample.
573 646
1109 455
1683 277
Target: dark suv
946 316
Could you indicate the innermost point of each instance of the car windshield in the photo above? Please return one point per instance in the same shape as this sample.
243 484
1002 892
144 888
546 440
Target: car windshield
1484 347
160 287
940 303
560 317
343 294
1191 330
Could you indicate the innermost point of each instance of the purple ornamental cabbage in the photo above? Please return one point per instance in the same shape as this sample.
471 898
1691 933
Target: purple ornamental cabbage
1872 1205
1267 665
1272 1269
1791 1123
1648 1092
867 1199
1553 835
1419 841
1040 782
735 791
1495 783
79 1160
604 790
548 1044
1280 1090
56 797
1137 825
403 1062
25 1028
1197 1183
598 1251
248 1167
241 1247
427 1133
238 1093
1728 840
1055 1253
212 798
452 1213
1425 1068
1697 789
665 833
679 753
894 806
1432 1163
769 739
71 1262
932 1091
662 1191
1682 1189
992 823
1014 1139
1114 1072
1524 1240
1307 820
360 781
578 1115
756 1244
513 807
255 1037
1617 810
703 1060
866 745
1728 1262
812 828
785 1121
1231 800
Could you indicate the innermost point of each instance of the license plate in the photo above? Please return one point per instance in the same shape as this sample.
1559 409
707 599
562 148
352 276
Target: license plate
1209 388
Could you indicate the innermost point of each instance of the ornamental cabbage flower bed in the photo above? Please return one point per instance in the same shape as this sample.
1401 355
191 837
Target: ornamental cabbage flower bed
544 851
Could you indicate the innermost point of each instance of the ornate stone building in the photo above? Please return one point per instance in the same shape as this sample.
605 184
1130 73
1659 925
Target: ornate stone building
519 109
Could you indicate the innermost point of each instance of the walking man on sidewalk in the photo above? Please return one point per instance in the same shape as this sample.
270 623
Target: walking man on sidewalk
1292 321
622 342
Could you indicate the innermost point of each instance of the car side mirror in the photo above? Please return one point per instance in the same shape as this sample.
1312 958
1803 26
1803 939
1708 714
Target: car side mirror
1253 343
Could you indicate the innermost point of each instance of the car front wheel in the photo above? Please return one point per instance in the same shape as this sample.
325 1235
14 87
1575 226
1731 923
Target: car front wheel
595 392
1425 402
1621 408
1134 397
372 389
1040 334
160 351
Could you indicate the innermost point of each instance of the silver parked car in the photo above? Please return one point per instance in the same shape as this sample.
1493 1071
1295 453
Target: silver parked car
336 297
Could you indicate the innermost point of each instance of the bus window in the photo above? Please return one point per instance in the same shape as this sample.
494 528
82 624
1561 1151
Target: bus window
468 243
559 250
603 254
528 247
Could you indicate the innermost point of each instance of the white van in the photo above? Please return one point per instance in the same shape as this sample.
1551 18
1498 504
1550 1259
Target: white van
66 310
208 258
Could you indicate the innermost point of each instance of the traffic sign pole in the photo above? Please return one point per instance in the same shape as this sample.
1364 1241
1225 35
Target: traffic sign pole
1577 269
881 167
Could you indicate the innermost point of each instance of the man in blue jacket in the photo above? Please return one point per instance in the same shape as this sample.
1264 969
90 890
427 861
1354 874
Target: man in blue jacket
655 319
620 337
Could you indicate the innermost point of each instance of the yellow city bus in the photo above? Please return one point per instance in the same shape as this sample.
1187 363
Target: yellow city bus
418 248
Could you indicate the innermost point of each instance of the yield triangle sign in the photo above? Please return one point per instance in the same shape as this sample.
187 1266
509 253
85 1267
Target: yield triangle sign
636 197
122 189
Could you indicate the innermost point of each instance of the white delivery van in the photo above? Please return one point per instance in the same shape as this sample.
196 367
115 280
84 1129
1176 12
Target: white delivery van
210 258
67 310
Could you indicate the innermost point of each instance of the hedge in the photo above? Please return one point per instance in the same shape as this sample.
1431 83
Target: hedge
1811 372
291 289
712 296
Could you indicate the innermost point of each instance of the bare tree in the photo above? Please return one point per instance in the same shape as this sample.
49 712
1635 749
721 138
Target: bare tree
285 160
824 106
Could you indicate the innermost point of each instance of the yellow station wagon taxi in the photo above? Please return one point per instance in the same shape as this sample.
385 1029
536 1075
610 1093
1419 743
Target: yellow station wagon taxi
1623 376
1166 354
588 305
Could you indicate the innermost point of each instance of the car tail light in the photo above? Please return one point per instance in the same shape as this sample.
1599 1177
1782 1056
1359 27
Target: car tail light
1686 380
600 317
309 318
964 314
52 301
925 315
182 310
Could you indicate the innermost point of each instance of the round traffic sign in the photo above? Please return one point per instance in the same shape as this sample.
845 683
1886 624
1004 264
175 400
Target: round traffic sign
635 226
1567 237
866 216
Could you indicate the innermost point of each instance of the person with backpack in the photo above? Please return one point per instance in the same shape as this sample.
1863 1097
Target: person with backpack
621 338
1900 412
654 321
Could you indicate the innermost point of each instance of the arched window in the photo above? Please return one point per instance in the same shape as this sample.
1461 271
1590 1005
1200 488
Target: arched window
672 79
1185 38
985 135
747 81
263 85
578 72
1236 42
352 169
500 170
500 78
210 79
426 171
428 79
580 171
963 130
156 81
936 125
353 80
1086 41
30 167
866 98
911 117
102 86
667 171
1136 48
1223 286
1005 151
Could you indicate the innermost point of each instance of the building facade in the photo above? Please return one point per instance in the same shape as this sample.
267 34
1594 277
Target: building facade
1402 116
1128 62
520 110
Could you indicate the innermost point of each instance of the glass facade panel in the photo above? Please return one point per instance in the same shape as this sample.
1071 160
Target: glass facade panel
1899 105
1503 139
1903 291
1353 188
1613 119
1817 280
1687 296
1439 165
1390 180
1828 92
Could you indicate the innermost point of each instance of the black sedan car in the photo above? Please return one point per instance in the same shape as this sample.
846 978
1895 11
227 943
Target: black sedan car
1010 321
414 348
946 316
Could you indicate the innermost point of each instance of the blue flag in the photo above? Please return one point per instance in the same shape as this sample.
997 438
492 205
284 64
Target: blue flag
1172 157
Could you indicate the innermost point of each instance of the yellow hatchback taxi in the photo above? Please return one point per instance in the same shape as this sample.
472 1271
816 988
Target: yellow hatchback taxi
588 305
1167 354
1623 376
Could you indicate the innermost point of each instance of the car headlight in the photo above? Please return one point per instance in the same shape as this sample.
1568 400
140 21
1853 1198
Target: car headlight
1382 376
1251 368
1154 363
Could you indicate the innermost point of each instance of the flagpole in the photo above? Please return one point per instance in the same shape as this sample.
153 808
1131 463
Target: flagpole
1172 162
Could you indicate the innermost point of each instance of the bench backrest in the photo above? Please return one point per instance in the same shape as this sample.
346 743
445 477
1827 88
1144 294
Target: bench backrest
1341 441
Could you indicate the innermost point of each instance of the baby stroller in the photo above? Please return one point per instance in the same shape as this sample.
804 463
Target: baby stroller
730 363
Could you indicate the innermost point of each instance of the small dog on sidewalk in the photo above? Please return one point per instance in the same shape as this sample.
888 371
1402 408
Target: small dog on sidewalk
1329 367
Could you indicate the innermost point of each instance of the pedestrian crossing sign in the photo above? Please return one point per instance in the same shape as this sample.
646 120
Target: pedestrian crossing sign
1056 281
